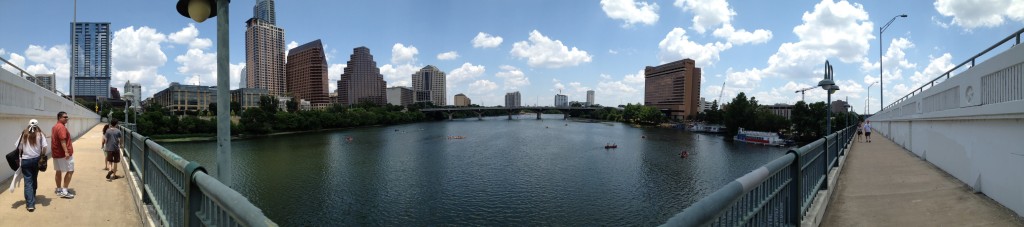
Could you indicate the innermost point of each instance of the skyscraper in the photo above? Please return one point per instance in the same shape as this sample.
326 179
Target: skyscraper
264 50
561 100
136 90
48 81
429 85
307 73
673 87
590 97
90 59
513 99
361 81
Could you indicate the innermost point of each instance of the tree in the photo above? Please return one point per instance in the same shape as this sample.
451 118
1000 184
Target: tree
739 114
212 108
293 105
268 104
236 107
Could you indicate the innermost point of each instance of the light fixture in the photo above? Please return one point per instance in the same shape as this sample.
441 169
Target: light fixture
198 10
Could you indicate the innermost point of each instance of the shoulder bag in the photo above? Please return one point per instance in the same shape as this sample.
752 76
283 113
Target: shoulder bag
14 158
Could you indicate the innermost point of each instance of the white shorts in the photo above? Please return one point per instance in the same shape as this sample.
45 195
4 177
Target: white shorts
64 164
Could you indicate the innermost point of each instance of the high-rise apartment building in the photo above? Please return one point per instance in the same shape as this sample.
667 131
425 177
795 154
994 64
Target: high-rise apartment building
590 98
513 99
47 81
673 87
136 90
400 95
561 100
90 60
361 81
462 100
307 73
429 86
264 51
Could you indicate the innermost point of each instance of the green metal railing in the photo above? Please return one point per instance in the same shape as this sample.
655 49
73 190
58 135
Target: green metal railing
181 191
776 194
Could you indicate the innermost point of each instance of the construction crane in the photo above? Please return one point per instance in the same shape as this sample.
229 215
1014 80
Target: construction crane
801 91
720 93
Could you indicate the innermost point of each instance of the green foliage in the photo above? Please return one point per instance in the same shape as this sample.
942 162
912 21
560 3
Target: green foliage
292 105
212 108
268 104
235 108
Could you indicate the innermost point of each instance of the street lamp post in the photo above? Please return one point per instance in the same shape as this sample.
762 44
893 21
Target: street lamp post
869 97
881 86
200 10
830 87
128 102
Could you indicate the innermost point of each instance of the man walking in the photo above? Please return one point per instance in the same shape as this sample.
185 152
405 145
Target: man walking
62 153
867 130
113 148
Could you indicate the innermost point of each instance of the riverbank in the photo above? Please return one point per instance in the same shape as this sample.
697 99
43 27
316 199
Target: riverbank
213 137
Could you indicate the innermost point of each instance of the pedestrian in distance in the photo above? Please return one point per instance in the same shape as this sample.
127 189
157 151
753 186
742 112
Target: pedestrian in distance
113 145
32 144
860 132
867 130
63 156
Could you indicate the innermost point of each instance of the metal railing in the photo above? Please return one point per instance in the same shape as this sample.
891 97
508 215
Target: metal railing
945 76
29 77
776 194
181 191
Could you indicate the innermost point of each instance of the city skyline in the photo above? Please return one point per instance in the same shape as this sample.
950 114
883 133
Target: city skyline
765 49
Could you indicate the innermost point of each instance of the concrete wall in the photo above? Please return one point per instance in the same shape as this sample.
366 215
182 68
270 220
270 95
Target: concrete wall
21 100
971 126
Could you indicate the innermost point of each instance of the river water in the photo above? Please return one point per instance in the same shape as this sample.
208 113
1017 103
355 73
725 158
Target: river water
503 172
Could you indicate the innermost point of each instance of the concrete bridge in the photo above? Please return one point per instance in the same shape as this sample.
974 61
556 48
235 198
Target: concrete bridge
448 111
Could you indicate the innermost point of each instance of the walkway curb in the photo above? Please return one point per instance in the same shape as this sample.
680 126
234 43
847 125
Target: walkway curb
816 213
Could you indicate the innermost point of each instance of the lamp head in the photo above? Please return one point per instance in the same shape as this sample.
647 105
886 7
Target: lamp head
903 15
826 84
198 10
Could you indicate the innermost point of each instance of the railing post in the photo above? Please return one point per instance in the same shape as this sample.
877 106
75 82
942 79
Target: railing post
142 174
824 165
193 196
796 185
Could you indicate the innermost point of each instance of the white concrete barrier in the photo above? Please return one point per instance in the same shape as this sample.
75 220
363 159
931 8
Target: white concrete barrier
22 100
971 126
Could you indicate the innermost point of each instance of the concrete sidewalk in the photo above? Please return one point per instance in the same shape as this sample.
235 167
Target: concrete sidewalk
885 185
97 201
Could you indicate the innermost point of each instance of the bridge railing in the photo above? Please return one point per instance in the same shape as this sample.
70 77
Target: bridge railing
945 76
28 76
181 191
778 193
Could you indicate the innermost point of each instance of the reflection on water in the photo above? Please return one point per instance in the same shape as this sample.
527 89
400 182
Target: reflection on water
508 172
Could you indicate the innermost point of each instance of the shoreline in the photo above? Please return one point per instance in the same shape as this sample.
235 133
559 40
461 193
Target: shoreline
244 137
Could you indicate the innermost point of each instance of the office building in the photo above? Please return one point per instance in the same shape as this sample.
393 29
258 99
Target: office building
400 96
561 100
674 88
704 105
248 97
462 100
90 60
839 106
182 99
513 99
590 98
429 86
48 81
361 80
307 73
264 51
781 109
136 90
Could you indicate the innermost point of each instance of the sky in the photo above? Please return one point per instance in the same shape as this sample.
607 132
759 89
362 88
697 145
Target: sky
766 49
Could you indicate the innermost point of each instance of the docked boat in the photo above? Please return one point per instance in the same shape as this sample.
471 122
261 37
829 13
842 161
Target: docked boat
763 138
708 128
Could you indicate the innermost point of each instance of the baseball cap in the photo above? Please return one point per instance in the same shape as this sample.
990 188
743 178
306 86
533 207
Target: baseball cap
33 122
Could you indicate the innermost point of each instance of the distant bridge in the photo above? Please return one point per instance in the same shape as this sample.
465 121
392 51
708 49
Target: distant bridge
448 111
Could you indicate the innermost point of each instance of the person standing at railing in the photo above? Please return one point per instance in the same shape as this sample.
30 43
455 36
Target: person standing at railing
867 130
63 159
113 144
32 143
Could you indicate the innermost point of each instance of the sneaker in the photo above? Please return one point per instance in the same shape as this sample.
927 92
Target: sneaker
108 174
31 209
68 195
56 191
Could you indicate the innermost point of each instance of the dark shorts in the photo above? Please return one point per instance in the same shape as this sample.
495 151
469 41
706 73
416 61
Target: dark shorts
860 132
114 156
867 133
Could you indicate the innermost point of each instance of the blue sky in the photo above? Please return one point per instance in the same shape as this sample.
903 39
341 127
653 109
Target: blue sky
767 49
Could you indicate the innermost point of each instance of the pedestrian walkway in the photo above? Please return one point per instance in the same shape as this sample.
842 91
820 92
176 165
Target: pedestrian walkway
885 185
97 201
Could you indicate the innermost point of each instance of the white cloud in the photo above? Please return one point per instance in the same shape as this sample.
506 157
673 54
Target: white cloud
558 87
936 67
515 79
637 78
939 23
480 87
606 77
541 51
49 60
970 14
833 30
198 66
450 55
189 35
707 13
677 46
484 40
610 51
334 74
746 79
742 36
289 47
399 75
465 72
235 74
630 11
136 55
401 54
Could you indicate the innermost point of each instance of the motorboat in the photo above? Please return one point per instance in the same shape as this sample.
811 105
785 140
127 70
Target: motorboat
757 137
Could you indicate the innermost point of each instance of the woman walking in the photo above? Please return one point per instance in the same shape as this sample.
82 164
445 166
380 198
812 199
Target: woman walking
32 143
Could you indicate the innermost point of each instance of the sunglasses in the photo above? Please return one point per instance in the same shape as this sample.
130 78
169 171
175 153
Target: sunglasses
65 117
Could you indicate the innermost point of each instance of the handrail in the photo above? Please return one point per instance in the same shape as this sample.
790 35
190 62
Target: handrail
25 75
778 193
181 191
948 73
